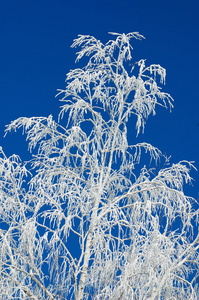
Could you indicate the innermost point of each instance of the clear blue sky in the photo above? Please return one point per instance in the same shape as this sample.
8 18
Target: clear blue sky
35 55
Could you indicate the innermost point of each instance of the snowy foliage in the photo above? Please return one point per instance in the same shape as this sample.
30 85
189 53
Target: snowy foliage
77 221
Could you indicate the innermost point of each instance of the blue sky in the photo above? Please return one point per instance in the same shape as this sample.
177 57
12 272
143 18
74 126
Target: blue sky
35 55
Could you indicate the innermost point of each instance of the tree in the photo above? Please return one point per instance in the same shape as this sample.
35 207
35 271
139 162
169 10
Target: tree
82 219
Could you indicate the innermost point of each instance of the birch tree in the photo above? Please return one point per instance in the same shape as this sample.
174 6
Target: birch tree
83 219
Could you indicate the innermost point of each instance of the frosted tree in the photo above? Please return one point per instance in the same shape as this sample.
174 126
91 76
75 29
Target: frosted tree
82 219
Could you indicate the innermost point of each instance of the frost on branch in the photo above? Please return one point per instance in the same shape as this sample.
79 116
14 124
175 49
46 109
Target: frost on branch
86 223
